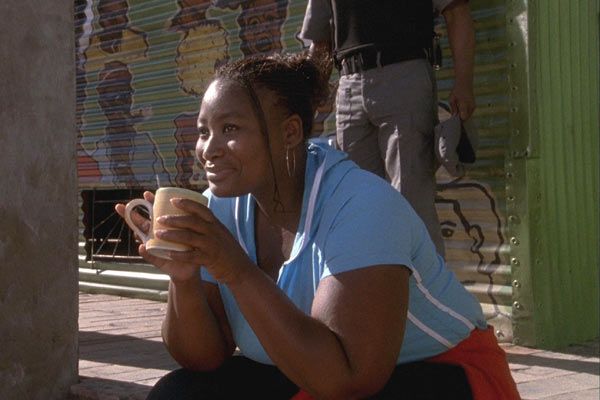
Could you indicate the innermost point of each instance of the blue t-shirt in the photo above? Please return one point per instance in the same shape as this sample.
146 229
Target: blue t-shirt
353 219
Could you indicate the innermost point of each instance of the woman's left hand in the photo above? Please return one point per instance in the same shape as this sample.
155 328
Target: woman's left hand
214 247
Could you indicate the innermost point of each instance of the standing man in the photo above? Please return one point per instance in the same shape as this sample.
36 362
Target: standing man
386 99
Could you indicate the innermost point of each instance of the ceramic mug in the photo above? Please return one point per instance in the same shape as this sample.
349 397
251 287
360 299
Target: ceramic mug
162 206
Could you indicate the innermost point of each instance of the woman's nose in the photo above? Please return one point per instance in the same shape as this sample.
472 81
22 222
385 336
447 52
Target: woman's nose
209 148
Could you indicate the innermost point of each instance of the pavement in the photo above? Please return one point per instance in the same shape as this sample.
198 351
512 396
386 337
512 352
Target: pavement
122 356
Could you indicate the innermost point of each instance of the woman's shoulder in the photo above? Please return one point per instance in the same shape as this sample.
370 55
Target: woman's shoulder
344 178
358 186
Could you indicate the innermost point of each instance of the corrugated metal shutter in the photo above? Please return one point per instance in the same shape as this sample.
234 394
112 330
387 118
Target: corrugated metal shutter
142 66
472 208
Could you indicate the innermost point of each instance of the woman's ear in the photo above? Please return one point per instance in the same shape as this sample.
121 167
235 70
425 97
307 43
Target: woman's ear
293 134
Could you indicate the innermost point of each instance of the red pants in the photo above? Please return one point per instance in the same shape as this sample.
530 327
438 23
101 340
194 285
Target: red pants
484 363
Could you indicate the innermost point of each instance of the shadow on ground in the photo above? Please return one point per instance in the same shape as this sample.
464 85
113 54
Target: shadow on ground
586 360
99 388
124 350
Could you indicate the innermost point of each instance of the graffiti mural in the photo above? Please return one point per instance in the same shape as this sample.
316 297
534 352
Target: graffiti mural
124 155
87 167
122 146
260 23
203 47
116 38
476 249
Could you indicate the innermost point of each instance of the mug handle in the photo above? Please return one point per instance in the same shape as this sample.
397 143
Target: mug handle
129 208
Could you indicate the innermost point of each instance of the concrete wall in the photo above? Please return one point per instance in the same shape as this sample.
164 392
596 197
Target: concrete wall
38 200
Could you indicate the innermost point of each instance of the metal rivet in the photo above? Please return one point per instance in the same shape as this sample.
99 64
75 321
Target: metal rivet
514 261
517 305
514 240
511 198
516 283
514 219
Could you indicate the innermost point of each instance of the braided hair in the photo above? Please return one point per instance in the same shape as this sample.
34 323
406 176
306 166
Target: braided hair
299 81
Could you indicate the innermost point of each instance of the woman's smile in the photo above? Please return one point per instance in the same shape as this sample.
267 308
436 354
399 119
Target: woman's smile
218 173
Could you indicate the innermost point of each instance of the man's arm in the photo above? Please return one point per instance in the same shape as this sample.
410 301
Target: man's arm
461 35
316 27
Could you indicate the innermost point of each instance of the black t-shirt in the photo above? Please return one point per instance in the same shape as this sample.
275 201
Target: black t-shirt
387 25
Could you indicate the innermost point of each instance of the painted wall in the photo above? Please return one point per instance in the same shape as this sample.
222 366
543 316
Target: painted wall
143 65
38 192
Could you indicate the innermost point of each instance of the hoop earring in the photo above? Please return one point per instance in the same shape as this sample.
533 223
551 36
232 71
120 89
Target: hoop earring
291 171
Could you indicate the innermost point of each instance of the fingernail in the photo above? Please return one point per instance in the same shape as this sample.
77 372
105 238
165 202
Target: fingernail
176 200
161 219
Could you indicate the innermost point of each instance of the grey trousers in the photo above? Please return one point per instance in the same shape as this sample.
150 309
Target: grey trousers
385 118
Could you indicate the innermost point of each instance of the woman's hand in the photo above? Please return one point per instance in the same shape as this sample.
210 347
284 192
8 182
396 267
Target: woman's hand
176 270
213 245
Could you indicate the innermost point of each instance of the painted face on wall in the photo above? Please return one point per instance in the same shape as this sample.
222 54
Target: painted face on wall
115 91
473 233
260 26
470 226
231 146
113 14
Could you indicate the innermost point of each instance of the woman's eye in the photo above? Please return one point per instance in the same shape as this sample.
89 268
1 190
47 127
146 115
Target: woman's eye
447 232
203 132
229 128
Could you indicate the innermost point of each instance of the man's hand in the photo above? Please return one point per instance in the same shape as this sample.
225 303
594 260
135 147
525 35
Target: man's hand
462 100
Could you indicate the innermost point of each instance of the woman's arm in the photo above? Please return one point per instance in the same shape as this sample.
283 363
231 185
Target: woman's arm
195 329
348 346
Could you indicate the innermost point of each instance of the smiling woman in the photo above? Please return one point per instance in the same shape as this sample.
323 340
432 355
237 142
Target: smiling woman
320 273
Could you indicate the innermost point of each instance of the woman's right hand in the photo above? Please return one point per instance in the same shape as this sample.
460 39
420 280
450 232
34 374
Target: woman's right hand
177 271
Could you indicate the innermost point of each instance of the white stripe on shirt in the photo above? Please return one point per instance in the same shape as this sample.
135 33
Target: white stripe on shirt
429 331
439 305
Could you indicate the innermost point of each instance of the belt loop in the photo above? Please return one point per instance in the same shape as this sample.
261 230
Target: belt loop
342 67
378 59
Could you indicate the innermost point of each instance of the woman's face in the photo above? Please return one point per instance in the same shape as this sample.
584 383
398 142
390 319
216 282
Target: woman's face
231 147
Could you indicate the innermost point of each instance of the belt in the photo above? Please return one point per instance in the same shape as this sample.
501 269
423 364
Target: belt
359 62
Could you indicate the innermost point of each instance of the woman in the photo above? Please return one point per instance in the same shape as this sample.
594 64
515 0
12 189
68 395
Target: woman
319 272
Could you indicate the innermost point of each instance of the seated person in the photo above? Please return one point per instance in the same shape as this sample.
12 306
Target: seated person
320 273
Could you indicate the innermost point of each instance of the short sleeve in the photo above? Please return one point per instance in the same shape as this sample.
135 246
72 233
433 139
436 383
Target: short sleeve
375 226
316 25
